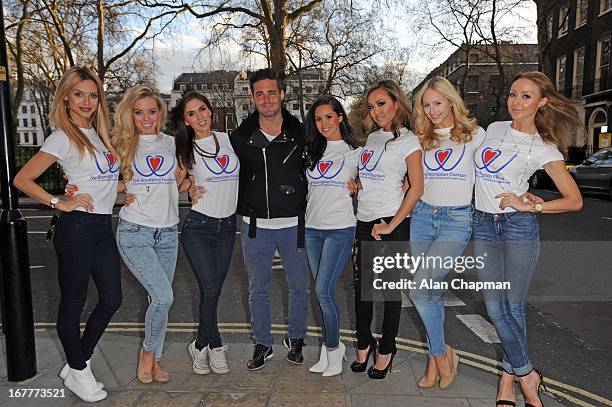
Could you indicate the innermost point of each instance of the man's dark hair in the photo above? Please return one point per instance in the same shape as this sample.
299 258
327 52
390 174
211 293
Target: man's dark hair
266 73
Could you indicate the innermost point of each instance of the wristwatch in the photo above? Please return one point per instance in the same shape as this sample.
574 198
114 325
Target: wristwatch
54 201
537 207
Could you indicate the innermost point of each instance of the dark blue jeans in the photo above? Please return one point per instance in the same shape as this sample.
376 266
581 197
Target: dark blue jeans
328 251
510 246
208 244
85 245
258 254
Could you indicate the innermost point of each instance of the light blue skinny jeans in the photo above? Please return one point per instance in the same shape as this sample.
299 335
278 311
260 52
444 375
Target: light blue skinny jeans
150 254
436 231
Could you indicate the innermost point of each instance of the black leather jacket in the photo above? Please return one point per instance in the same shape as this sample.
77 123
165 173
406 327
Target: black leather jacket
272 173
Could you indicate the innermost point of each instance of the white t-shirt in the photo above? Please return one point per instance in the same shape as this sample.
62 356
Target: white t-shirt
219 177
329 203
505 161
274 223
382 171
95 175
449 170
153 184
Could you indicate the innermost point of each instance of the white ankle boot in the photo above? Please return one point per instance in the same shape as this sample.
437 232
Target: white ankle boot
334 361
321 365
64 372
83 384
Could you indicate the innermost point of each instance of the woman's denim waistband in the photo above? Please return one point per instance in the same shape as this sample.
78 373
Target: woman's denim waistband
200 217
422 205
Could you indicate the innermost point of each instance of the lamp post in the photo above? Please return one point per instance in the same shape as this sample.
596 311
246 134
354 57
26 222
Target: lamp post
17 314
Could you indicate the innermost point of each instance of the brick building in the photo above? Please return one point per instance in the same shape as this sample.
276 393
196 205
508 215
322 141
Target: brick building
575 39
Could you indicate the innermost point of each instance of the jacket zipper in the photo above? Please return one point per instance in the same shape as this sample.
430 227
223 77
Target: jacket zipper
266 176
289 155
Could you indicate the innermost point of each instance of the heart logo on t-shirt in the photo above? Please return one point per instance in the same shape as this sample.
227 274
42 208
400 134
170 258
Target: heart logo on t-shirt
365 156
324 166
222 160
110 158
488 155
442 156
155 162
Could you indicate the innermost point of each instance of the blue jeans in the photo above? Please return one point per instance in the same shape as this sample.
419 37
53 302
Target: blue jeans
436 231
208 244
510 245
150 254
85 247
328 251
258 253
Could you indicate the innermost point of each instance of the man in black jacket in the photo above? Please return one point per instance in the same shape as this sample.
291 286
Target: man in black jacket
272 202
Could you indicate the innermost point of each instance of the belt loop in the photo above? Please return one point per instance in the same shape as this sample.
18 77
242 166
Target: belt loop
252 227
301 230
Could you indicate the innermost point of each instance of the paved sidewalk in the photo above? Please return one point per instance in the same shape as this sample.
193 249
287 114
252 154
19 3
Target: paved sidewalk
278 384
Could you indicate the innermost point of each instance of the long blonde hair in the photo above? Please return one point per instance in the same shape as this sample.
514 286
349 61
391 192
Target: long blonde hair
125 135
59 116
558 118
403 116
464 127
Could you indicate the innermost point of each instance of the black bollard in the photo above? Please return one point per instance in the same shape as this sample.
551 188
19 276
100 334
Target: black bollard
17 313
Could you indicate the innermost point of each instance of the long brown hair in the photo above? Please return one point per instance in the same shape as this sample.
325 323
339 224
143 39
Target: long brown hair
59 115
558 118
403 116
464 127
125 135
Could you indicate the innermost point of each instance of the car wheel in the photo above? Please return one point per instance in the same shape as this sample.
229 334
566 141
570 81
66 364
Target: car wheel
536 180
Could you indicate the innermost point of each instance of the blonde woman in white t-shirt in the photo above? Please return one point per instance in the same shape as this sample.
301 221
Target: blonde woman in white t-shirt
392 153
441 223
332 156
83 238
147 231
505 225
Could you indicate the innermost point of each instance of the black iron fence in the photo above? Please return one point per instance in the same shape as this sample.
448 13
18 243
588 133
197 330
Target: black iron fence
51 180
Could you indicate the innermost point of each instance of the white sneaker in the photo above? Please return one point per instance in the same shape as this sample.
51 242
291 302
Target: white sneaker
334 361
199 358
83 384
64 372
321 365
218 364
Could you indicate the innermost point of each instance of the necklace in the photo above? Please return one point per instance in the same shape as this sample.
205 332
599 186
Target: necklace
524 172
203 153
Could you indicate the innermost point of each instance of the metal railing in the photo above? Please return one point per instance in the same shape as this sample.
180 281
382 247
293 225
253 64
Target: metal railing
51 180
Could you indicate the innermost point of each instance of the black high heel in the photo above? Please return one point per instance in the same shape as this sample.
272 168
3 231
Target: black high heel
374 373
359 367
540 385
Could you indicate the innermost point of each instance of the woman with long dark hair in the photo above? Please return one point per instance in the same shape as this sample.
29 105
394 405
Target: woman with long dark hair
209 230
392 153
83 240
332 156
505 223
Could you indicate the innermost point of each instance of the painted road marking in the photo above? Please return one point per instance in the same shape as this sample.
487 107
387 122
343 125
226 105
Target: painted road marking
450 300
467 358
480 327
605 217
37 267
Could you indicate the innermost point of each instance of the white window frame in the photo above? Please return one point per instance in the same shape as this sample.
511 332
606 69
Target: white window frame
560 78
563 17
576 76
582 10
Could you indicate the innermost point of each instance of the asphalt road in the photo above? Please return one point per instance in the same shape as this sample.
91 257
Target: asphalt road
569 313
